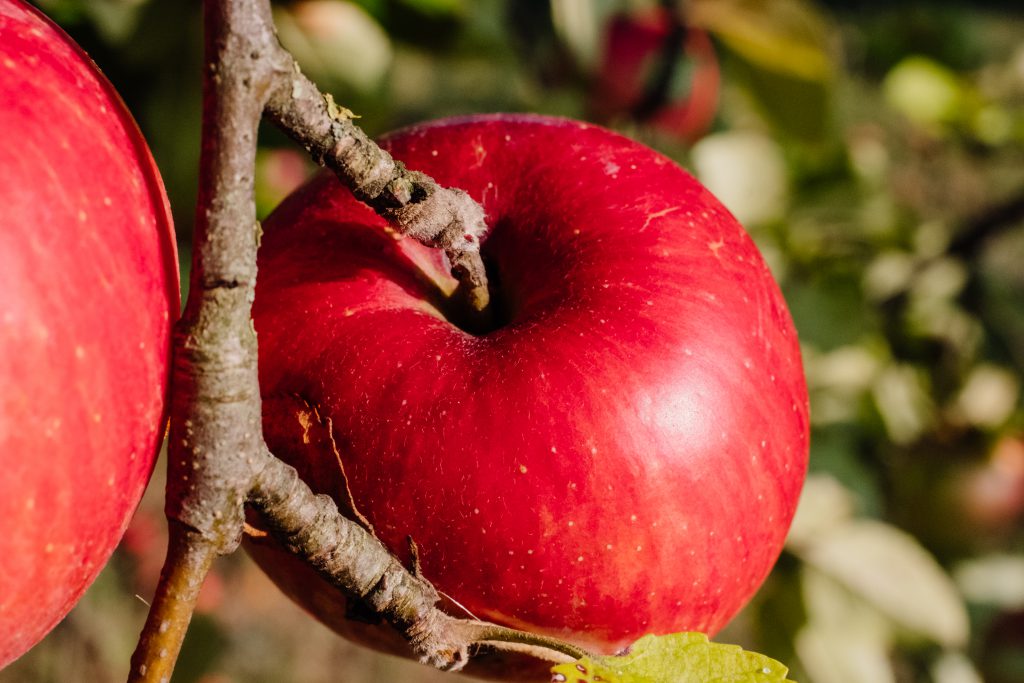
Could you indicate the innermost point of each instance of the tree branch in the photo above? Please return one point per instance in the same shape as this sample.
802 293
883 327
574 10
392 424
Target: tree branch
216 434
188 562
443 218
355 562
218 461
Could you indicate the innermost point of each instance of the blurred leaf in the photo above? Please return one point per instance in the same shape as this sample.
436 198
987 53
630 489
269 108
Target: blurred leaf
888 569
746 170
676 658
904 402
834 656
994 580
989 395
832 607
928 93
579 23
784 56
955 667
336 42
115 20
845 640
785 36
824 504
796 107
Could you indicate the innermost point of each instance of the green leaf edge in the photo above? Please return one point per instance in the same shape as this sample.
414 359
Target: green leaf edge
740 666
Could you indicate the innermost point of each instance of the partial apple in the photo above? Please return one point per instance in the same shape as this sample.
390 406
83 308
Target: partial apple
88 292
619 454
636 45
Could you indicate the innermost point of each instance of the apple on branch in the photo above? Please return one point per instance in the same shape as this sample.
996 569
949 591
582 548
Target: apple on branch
619 451
88 291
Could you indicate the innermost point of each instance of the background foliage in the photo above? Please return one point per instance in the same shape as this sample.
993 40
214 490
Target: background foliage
875 150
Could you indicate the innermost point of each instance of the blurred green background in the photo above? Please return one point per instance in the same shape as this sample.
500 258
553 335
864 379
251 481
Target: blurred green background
875 150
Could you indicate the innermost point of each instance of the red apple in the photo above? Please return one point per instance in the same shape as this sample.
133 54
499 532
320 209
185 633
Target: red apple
621 454
88 290
634 47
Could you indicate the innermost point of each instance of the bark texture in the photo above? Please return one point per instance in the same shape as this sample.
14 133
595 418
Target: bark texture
218 460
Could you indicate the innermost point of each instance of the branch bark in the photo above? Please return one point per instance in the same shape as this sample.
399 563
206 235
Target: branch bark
218 461
443 218
216 426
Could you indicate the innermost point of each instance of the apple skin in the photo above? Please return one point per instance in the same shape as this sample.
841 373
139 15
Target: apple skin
88 291
622 455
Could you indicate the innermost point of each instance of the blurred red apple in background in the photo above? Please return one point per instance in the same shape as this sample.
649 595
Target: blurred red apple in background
635 47
88 291
620 454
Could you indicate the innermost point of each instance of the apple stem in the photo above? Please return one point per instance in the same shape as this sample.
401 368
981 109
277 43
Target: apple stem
411 201
542 647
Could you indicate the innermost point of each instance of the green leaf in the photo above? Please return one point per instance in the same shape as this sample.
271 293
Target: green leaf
782 51
676 658
785 36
